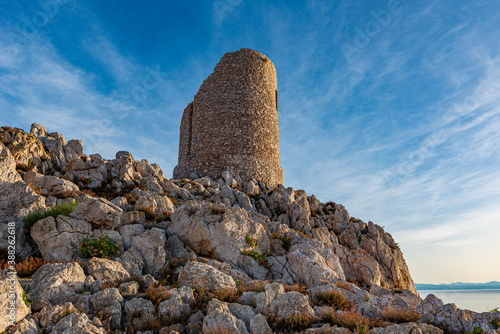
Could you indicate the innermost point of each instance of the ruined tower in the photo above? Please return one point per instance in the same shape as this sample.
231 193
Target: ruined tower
233 122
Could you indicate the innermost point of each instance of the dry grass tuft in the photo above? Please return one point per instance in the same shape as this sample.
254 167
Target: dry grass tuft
292 324
336 299
27 267
400 315
157 294
351 320
303 289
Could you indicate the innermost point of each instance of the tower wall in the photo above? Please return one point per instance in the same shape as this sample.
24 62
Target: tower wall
233 122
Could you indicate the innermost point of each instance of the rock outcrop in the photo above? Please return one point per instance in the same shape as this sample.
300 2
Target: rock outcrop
254 257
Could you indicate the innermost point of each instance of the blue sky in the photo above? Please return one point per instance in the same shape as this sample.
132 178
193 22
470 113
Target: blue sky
391 108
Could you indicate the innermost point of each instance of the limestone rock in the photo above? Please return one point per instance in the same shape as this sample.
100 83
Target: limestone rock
52 282
407 328
129 231
220 319
99 212
60 239
178 304
299 212
16 198
177 249
259 324
457 320
26 327
314 264
76 323
151 245
132 261
138 311
218 232
50 315
23 248
38 130
291 304
129 289
19 310
242 312
49 185
106 270
145 169
161 205
264 299
429 303
196 274
109 302
252 267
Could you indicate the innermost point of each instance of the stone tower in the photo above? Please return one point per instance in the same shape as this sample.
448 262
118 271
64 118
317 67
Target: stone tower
233 122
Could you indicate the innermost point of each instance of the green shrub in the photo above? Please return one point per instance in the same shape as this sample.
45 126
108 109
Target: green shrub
250 241
100 247
476 330
64 209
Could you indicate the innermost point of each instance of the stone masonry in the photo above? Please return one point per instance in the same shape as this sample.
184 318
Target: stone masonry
232 124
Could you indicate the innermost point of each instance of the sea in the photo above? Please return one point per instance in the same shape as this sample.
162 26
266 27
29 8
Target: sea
480 300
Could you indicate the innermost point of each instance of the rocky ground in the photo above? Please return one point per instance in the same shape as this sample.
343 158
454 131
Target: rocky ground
113 246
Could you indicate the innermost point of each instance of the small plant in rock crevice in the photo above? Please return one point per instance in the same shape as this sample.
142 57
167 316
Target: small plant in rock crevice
103 247
250 241
285 239
63 209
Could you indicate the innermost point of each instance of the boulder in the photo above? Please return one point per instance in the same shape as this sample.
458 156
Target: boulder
50 315
76 323
243 312
129 231
138 311
106 270
12 307
16 197
456 320
196 274
132 261
49 185
264 299
407 328
38 130
179 303
151 245
219 232
129 289
52 282
99 212
291 304
161 206
252 267
60 239
314 264
429 303
177 249
219 319
26 327
259 324
108 303
23 248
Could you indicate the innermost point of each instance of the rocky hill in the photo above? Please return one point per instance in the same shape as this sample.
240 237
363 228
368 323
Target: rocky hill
113 246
